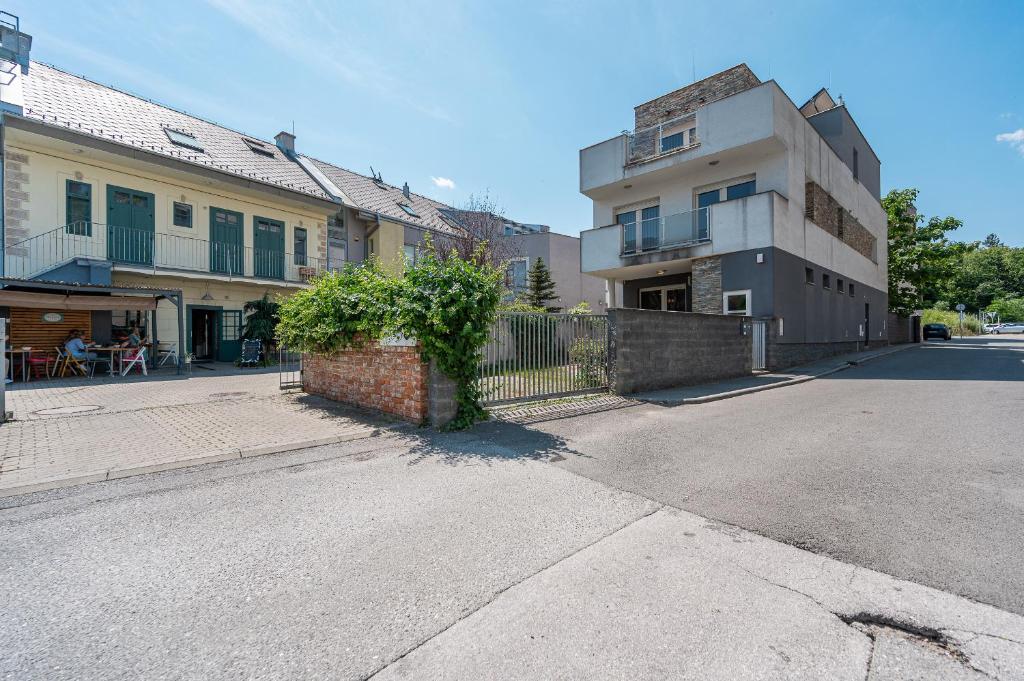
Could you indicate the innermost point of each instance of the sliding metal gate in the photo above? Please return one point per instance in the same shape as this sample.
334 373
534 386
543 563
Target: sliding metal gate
289 365
540 355
760 337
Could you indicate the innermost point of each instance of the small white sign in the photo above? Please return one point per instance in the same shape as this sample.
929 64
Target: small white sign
960 307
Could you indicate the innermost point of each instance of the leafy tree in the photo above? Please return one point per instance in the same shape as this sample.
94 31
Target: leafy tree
262 317
991 240
1008 309
922 260
541 288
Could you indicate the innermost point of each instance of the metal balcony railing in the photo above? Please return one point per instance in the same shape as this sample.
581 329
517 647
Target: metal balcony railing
665 138
671 231
139 248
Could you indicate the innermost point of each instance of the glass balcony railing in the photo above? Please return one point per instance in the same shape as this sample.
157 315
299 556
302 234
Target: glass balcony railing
670 231
139 248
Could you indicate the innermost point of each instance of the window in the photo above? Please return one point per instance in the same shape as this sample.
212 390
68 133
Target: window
851 289
408 210
231 325
299 243
809 275
183 139
79 208
736 302
650 228
738 191
670 142
258 147
516 274
337 239
182 214
856 164
509 230
411 253
826 281
839 286
628 222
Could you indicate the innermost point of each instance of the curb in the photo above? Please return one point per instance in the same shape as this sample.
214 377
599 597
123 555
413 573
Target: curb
146 468
781 384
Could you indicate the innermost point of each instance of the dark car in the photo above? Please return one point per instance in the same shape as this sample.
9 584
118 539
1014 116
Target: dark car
937 331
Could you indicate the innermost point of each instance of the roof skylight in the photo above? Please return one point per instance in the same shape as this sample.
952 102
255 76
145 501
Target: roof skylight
183 139
258 147
408 209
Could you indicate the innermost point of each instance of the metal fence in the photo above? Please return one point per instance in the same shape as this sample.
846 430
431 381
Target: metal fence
760 338
289 365
540 355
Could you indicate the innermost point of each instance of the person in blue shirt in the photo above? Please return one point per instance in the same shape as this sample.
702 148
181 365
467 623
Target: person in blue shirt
77 348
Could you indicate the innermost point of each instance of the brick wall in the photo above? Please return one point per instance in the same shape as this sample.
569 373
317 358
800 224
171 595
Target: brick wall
651 349
707 285
391 379
687 99
825 212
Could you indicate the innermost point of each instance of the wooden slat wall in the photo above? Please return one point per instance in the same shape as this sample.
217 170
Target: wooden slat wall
27 328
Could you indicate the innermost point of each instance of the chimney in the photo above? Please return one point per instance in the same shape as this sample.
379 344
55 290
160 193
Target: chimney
14 62
405 190
286 143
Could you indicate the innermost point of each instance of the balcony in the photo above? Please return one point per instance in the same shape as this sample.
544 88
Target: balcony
670 137
136 249
672 231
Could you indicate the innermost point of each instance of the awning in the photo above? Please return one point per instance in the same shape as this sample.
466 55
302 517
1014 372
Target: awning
57 301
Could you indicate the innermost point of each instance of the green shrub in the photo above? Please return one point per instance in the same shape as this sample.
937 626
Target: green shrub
340 309
971 327
449 306
589 357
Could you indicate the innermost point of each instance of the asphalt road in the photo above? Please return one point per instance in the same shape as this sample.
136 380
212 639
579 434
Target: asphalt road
912 464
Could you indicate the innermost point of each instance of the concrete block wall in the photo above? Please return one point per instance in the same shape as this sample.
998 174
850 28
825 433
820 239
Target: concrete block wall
650 349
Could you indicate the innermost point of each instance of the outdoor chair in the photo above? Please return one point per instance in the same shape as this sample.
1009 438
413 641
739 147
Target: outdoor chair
105 361
252 353
40 364
134 359
65 362
167 352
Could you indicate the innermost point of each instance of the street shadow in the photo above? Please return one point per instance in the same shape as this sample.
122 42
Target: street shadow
487 443
970 359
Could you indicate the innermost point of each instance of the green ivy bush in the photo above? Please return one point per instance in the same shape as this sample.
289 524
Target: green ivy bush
590 357
449 305
340 309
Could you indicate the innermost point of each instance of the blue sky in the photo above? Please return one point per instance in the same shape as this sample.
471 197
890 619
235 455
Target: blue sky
500 96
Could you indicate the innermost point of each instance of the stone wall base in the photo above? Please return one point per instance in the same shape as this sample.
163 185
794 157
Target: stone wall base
786 355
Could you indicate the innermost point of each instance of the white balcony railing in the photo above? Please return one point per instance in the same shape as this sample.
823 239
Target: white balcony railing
143 249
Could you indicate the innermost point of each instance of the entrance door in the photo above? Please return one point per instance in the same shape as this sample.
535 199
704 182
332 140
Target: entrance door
867 323
203 333
268 248
130 226
230 347
226 245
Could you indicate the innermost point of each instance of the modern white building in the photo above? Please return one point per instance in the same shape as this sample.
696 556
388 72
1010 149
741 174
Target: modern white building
728 198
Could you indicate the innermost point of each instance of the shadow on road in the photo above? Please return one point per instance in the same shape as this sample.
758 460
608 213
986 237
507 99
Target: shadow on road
488 442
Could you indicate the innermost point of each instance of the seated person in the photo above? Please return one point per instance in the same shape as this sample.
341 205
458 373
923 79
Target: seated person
77 347
134 339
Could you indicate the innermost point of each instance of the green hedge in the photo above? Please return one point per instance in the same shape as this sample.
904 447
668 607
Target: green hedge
971 326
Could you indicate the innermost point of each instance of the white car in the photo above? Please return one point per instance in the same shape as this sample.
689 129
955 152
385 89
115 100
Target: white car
989 328
1012 327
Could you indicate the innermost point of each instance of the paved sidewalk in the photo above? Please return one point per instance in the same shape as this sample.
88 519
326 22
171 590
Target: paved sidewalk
710 392
136 427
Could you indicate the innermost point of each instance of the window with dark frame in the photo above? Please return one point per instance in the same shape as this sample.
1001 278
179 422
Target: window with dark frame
851 289
183 139
79 208
839 286
299 245
856 164
826 281
809 275
182 214
408 210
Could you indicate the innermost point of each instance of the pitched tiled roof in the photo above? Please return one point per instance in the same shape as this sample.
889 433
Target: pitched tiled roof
68 101
380 197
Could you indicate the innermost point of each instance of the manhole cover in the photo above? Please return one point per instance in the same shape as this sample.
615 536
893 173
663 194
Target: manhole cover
238 394
64 411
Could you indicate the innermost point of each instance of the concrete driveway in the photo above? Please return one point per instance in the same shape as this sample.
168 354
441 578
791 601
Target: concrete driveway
912 464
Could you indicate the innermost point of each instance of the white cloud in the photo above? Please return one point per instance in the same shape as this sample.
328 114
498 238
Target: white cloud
443 182
1015 139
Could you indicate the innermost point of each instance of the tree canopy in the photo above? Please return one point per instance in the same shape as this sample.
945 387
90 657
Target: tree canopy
541 288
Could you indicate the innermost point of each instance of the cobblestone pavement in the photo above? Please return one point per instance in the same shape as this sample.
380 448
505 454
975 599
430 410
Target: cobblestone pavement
138 426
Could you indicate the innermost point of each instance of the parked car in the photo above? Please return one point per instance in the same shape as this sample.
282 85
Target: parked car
1011 327
990 328
937 331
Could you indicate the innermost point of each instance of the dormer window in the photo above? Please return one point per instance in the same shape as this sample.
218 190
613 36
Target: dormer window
408 210
258 147
183 139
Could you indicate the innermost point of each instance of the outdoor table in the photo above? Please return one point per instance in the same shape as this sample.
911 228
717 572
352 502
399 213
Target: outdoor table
24 362
111 350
